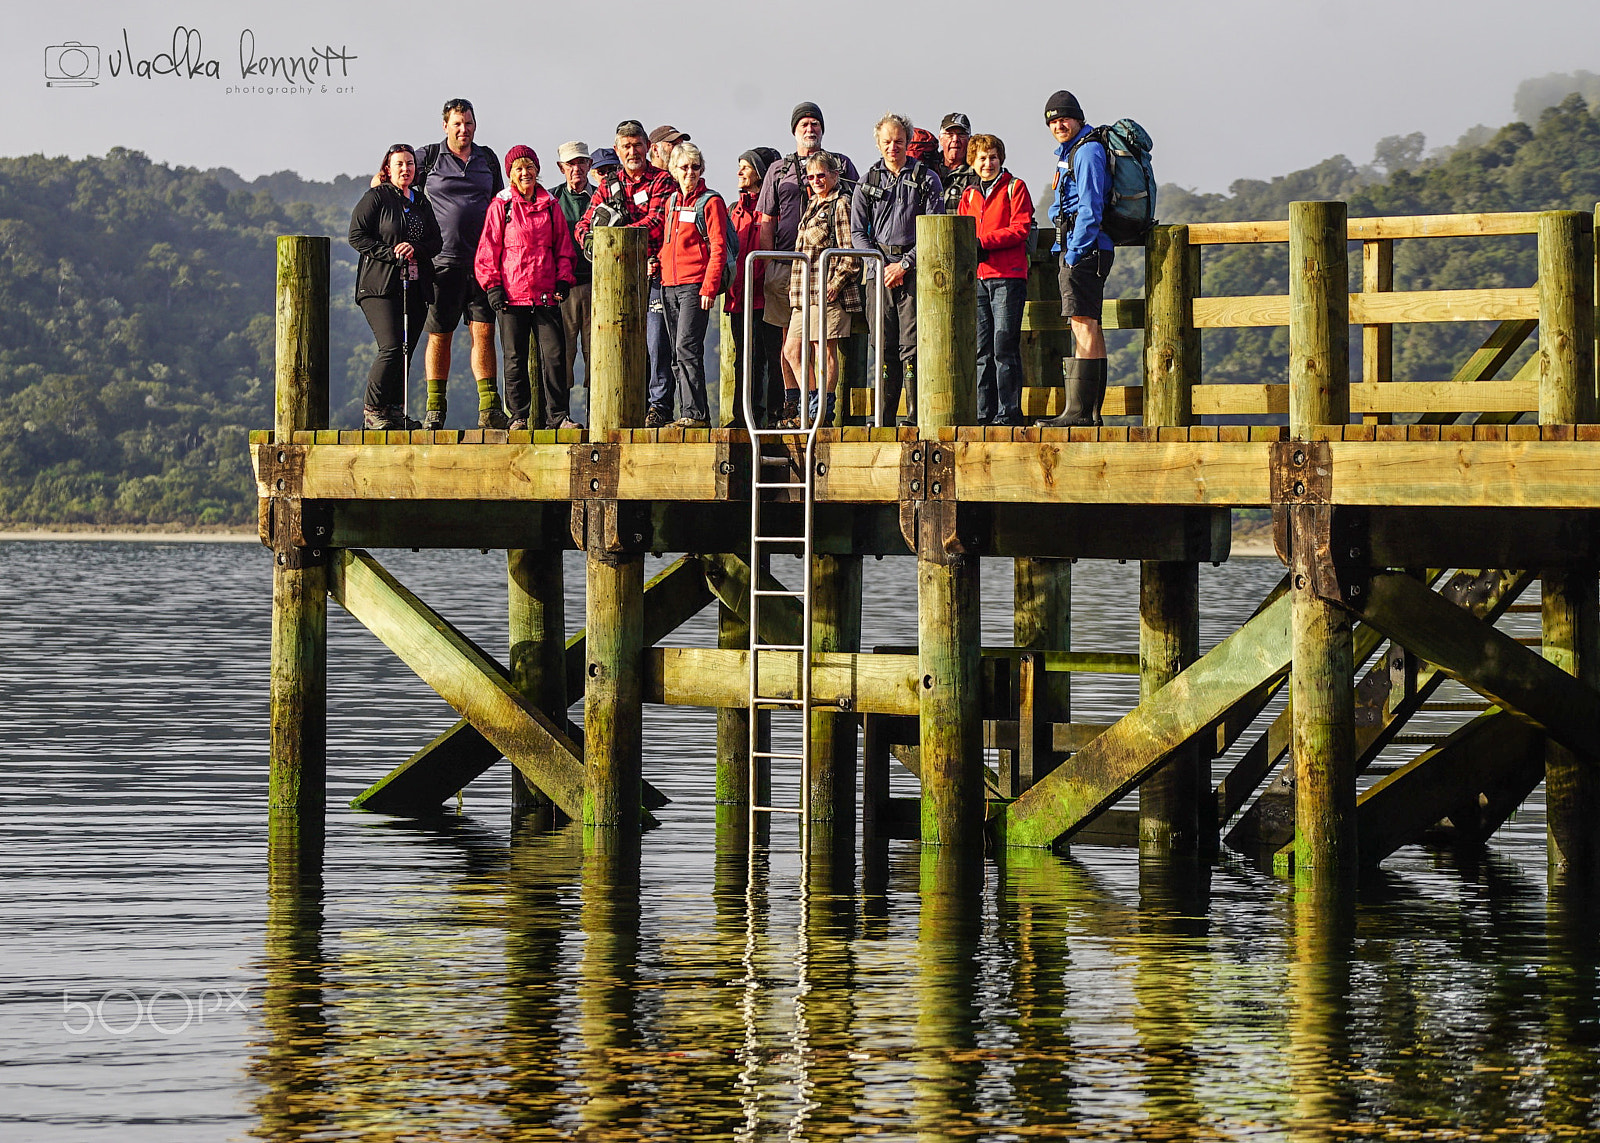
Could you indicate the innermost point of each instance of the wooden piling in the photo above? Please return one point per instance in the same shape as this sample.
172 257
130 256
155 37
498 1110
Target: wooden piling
1568 611
948 627
1175 803
1041 621
537 621
299 687
613 718
835 626
1322 691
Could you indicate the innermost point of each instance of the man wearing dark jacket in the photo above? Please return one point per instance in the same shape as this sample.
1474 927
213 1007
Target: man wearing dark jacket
883 217
955 131
573 196
636 194
460 178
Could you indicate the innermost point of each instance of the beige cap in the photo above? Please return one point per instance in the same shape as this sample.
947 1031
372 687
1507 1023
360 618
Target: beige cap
569 151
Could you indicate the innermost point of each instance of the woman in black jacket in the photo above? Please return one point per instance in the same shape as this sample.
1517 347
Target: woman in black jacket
394 230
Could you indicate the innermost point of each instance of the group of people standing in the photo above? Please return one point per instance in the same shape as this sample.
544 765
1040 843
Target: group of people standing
448 233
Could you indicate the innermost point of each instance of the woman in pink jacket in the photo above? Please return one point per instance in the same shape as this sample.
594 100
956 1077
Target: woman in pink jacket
524 264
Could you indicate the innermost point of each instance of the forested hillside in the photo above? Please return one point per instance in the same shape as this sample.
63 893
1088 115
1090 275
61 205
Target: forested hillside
136 330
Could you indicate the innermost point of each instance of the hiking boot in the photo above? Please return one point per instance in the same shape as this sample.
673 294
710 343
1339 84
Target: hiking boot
691 423
1085 382
790 417
654 418
397 414
569 423
379 418
433 419
493 419
518 423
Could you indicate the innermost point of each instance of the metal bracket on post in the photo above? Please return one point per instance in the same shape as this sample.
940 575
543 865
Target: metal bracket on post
281 468
594 471
296 530
1325 547
733 471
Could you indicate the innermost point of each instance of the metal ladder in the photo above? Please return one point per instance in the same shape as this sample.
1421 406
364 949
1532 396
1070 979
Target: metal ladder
771 474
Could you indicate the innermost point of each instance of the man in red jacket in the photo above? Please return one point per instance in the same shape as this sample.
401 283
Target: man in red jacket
635 194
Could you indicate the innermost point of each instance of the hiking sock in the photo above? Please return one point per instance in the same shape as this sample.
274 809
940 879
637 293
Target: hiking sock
436 391
488 396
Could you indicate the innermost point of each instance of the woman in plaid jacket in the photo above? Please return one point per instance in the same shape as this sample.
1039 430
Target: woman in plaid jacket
824 223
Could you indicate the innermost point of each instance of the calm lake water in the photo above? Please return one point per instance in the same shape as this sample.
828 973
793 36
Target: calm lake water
458 979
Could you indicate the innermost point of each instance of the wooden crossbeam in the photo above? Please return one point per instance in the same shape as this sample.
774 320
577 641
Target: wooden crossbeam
713 677
1068 797
1478 655
1401 306
1461 778
1361 229
462 754
463 674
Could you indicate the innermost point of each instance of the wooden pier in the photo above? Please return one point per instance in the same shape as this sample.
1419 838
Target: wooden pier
1403 544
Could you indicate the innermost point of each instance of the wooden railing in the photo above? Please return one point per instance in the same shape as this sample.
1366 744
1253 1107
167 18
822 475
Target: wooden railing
1563 295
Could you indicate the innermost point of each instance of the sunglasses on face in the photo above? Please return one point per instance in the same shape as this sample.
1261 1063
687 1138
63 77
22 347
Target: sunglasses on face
818 178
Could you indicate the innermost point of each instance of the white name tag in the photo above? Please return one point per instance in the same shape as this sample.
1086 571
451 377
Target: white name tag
686 216
641 197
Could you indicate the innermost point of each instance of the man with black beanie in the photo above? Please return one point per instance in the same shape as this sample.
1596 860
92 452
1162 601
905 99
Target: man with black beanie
782 201
1085 250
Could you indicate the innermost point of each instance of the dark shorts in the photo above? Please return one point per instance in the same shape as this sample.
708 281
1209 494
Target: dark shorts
1083 287
456 291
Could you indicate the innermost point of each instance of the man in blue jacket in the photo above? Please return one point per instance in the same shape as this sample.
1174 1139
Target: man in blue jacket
1081 186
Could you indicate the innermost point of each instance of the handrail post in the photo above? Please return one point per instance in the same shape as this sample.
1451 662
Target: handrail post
1569 614
1173 802
613 710
299 687
948 629
1377 341
1322 692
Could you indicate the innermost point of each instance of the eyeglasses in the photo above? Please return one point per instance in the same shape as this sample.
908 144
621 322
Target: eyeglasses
692 166
819 178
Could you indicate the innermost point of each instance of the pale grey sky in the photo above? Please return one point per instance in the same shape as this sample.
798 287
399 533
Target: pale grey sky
1228 89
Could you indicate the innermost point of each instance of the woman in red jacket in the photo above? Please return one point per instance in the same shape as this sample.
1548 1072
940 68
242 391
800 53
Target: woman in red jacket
766 354
1004 210
524 264
694 252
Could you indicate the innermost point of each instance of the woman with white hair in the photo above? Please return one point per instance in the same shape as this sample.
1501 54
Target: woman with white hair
695 256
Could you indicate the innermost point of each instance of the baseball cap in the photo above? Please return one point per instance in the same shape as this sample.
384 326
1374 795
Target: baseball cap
605 157
667 134
955 121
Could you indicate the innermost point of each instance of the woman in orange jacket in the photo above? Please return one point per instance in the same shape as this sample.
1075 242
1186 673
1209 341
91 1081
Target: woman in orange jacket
694 256
1004 210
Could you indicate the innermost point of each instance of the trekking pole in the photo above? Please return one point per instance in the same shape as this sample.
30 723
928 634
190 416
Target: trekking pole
405 343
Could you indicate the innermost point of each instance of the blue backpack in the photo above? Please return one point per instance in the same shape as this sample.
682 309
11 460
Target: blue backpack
1130 209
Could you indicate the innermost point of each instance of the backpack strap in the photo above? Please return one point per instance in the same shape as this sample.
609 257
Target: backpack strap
499 183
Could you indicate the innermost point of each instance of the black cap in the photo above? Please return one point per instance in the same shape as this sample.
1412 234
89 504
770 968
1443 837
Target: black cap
955 121
629 128
1062 105
760 158
805 111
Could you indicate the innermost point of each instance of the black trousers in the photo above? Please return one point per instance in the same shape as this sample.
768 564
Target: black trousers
686 330
766 371
524 331
899 334
386 380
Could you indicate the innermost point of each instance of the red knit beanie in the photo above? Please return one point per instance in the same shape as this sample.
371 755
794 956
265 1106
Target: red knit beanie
522 151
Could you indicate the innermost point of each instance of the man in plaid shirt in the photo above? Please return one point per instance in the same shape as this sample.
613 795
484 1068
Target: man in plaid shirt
635 194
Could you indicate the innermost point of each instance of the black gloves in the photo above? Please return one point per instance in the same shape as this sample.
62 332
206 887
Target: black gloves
562 290
497 299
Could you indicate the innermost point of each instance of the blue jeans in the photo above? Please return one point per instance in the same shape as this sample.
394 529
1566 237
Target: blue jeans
686 323
658 345
999 350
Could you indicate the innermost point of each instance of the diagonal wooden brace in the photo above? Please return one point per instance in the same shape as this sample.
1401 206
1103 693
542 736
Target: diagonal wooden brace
1478 655
461 754
1069 797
